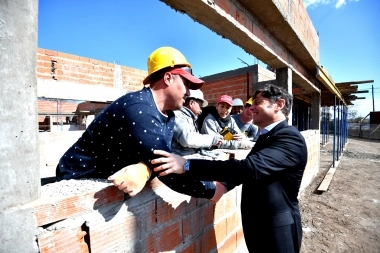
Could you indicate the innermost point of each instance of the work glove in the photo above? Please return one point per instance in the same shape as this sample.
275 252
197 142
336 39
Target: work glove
131 179
220 189
246 144
217 140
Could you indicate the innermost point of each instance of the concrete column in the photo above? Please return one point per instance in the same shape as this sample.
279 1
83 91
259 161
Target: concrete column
19 153
315 110
284 79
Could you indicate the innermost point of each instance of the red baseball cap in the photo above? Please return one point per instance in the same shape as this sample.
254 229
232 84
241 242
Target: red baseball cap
226 99
186 73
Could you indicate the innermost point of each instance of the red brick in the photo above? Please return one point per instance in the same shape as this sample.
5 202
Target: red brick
88 65
63 55
169 237
44 58
192 224
50 52
240 236
84 59
48 210
94 61
103 63
229 245
62 240
151 244
208 241
73 57
233 222
108 236
220 229
195 246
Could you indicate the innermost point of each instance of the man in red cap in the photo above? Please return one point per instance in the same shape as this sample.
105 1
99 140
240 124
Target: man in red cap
129 129
219 121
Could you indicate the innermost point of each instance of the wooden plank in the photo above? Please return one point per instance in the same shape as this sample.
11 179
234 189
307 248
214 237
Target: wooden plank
327 180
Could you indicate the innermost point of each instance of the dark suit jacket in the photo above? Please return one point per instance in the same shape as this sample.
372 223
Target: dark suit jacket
271 177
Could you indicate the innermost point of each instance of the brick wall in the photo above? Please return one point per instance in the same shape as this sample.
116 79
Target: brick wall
235 86
70 80
234 83
82 70
85 215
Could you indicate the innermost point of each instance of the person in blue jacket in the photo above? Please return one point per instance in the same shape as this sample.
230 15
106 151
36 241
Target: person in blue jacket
270 175
119 143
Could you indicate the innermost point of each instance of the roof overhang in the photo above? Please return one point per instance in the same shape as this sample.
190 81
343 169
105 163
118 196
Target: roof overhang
327 81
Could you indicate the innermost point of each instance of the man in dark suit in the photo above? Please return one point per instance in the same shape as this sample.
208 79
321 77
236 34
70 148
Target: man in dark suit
271 175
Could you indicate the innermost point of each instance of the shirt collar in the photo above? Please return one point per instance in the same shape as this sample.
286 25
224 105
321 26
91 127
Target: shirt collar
269 127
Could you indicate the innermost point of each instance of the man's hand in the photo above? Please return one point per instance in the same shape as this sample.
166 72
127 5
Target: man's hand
217 141
220 189
246 144
238 137
131 179
171 163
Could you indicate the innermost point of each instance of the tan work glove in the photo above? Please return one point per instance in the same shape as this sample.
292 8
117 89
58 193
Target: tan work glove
220 189
131 179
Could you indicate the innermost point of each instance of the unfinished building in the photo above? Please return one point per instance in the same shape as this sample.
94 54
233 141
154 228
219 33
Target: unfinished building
96 217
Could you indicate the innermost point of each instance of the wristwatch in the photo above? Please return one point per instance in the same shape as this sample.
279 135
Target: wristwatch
186 165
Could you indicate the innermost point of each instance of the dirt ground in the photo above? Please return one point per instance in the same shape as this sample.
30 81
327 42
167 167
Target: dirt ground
346 217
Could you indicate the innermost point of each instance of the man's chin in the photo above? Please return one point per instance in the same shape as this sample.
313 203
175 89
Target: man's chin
179 106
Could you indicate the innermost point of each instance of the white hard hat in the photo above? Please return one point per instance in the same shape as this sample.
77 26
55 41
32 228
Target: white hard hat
198 94
237 102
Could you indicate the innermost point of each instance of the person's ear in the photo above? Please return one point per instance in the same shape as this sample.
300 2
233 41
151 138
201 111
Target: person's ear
280 104
168 78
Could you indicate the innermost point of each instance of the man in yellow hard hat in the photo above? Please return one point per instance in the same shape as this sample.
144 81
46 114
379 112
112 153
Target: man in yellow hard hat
129 129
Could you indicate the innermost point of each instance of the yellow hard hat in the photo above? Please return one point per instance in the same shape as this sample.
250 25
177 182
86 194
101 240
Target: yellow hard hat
164 57
249 101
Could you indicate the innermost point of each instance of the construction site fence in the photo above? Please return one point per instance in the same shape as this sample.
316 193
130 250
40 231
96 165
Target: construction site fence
364 130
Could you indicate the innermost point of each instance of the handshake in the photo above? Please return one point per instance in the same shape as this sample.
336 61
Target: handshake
132 179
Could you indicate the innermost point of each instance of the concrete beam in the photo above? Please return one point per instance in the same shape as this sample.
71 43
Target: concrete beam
49 88
327 81
238 22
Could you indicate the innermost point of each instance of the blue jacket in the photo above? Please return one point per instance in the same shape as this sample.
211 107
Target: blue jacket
125 133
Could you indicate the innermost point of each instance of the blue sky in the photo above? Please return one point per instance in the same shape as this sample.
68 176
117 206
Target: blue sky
126 32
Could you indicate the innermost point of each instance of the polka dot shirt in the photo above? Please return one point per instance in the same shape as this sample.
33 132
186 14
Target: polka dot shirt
125 133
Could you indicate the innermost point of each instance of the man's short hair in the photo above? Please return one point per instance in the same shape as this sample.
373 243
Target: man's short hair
274 93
